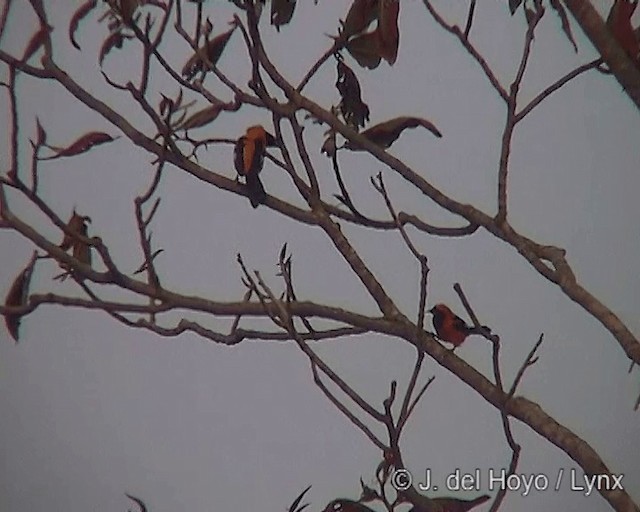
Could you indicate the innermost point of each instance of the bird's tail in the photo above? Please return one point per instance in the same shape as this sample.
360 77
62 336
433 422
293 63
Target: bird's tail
256 192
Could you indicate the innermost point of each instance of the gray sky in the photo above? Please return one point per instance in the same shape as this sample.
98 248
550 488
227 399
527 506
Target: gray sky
93 409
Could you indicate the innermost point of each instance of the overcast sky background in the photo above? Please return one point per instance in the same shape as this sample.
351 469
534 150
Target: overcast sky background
92 409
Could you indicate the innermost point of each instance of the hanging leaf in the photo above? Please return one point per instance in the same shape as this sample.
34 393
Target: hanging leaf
329 146
361 14
388 33
365 49
513 5
41 134
619 22
282 12
166 105
17 297
385 134
35 43
354 110
77 17
115 40
564 19
201 118
83 144
212 50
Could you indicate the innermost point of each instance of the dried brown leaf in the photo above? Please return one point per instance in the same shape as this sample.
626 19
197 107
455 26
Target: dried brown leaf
201 118
388 33
619 21
385 134
37 40
83 144
77 17
361 14
365 50
564 19
41 137
354 110
282 12
212 50
115 40
17 297
329 146
513 5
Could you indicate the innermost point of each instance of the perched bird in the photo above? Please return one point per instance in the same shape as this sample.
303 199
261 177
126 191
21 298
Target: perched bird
249 159
385 134
455 504
81 251
76 224
450 327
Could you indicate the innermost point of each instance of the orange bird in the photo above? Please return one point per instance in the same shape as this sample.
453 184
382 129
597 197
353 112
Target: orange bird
249 159
450 327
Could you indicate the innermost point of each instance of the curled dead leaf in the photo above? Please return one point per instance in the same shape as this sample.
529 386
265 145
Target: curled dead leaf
17 297
365 49
115 40
201 118
388 33
361 14
83 144
329 146
41 137
77 17
37 40
354 110
513 6
282 12
211 51
619 22
385 134
564 20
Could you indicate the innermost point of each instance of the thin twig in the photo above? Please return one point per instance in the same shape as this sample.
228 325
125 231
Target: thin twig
555 86
467 28
452 29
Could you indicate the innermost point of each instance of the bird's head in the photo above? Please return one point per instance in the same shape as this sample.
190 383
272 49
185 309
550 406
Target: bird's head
258 132
440 308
